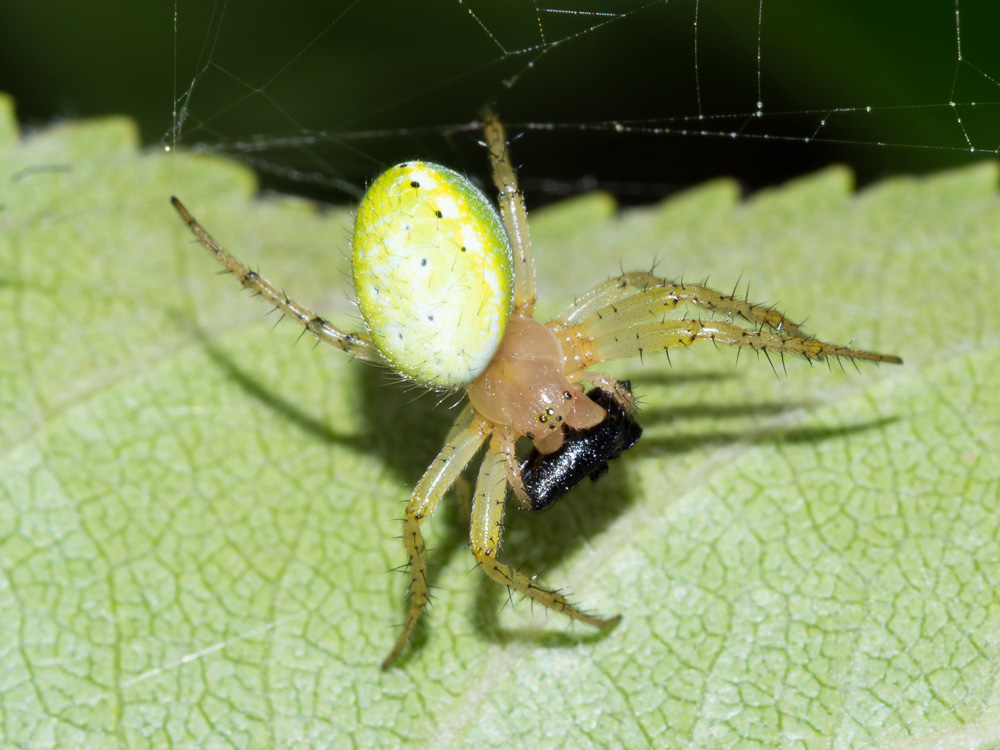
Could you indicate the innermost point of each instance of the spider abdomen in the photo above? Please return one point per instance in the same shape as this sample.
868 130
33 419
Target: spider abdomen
433 273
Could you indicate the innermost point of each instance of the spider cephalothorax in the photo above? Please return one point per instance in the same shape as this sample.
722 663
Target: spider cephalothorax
446 287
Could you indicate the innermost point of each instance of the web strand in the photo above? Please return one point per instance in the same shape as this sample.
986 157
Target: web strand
244 99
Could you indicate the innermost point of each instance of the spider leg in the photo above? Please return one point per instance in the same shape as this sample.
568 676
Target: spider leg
661 336
606 383
485 540
512 210
508 448
354 344
467 435
640 294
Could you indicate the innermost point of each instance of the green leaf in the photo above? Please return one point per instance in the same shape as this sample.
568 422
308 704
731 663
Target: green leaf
197 512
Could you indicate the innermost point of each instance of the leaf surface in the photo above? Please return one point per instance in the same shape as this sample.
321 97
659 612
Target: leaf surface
197 513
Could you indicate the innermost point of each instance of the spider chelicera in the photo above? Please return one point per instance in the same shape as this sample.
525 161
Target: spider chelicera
446 287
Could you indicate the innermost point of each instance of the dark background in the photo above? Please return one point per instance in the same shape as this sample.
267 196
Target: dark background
374 82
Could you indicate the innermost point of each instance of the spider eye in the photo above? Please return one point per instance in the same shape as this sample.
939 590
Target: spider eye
433 272
547 415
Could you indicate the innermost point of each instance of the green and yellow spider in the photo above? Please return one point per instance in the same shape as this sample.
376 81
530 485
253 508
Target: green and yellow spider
446 287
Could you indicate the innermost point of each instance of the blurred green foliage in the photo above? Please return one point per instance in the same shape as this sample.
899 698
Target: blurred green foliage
373 68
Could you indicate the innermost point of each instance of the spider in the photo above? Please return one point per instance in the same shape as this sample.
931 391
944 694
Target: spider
446 287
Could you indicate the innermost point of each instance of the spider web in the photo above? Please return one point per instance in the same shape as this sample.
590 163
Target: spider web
638 98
